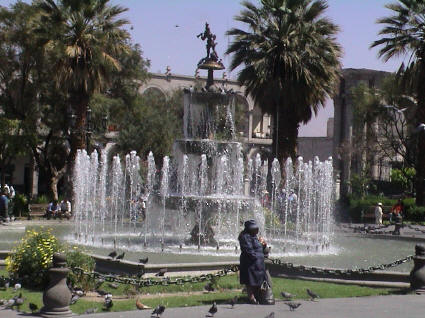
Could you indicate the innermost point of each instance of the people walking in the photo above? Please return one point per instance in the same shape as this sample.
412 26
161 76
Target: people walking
378 214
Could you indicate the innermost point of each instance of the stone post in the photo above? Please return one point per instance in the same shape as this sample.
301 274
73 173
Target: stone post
57 296
417 275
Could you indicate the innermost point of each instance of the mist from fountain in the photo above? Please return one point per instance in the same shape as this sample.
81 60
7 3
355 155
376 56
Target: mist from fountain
295 218
197 200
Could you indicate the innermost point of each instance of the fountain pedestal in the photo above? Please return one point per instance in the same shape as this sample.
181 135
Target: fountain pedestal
57 296
417 275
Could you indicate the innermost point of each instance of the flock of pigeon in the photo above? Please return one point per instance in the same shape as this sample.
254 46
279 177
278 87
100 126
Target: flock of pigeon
17 301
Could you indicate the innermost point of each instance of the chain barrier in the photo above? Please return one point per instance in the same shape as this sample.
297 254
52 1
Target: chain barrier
319 270
417 229
147 282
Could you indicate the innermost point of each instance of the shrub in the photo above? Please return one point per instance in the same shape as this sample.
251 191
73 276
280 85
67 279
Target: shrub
76 258
20 207
32 257
415 213
41 200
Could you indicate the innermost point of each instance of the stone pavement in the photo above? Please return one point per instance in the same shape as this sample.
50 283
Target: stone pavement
407 306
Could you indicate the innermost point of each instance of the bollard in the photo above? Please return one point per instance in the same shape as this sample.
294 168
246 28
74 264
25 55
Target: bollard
57 296
417 275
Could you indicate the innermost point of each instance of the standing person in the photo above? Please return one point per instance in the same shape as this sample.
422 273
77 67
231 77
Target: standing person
4 204
378 214
396 210
252 267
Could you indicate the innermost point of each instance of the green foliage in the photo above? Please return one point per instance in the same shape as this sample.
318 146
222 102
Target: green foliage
41 199
359 184
271 219
20 206
358 205
77 258
404 178
290 61
152 124
31 257
415 213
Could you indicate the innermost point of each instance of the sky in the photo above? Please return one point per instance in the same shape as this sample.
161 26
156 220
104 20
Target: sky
167 29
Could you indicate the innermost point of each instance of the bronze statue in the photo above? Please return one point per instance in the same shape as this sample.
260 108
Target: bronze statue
210 37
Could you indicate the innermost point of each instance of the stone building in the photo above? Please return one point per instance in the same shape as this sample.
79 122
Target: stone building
349 158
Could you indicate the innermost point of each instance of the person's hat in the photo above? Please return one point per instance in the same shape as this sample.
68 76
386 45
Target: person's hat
251 225
379 203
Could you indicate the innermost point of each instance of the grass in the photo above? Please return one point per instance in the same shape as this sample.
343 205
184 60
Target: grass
228 287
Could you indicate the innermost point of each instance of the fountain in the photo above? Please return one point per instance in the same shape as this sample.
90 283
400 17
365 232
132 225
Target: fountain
197 200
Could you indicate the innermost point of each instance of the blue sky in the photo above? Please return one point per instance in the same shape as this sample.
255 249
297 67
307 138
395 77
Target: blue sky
154 28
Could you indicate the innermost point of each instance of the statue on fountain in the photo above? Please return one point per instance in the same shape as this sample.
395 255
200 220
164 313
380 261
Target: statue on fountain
211 62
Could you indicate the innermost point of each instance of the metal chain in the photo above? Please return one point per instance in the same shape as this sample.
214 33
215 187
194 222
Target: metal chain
147 282
418 229
319 270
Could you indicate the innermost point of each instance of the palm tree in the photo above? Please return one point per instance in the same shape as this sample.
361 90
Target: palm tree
403 34
290 61
85 38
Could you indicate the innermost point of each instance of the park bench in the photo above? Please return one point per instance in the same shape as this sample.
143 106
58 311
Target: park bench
37 210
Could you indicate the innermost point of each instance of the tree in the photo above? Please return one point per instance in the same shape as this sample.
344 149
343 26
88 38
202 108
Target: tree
87 36
152 124
11 144
290 61
403 34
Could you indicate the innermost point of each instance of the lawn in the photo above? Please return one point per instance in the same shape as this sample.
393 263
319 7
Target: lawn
174 295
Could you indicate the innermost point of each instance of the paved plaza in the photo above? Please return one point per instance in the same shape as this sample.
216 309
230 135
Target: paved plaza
408 306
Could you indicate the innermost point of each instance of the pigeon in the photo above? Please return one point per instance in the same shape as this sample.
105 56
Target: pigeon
287 295
158 311
99 283
141 306
113 254
19 301
213 309
74 299
292 306
144 260
107 305
33 307
161 272
121 256
312 295
101 292
90 311
233 301
271 315
17 286
113 285
209 287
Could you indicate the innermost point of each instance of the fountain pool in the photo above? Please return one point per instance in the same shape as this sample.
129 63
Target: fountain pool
346 252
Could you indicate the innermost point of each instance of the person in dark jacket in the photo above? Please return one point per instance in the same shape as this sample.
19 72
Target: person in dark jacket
252 268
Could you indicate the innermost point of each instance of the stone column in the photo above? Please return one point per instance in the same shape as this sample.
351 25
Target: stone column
417 275
57 296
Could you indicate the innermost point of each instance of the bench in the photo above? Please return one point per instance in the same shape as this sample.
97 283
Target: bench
37 210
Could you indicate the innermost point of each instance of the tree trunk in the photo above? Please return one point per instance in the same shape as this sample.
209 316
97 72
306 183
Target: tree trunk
420 116
78 140
287 135
54 179
3 175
